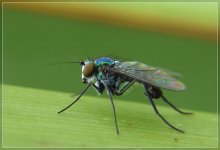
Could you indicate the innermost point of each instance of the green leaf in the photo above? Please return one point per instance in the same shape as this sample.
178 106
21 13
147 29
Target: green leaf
30 119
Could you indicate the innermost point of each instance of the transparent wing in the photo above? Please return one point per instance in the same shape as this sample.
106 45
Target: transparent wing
148 74
170 73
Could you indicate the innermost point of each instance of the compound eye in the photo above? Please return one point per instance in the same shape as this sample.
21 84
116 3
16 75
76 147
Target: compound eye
88 69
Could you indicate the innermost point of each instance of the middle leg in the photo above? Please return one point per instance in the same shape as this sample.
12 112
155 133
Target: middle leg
124 88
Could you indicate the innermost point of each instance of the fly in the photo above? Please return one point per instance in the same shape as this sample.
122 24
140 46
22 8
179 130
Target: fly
117 77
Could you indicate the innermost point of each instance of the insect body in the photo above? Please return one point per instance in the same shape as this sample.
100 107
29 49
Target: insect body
117 77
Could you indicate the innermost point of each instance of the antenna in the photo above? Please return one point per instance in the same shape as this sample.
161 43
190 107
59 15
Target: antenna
68 62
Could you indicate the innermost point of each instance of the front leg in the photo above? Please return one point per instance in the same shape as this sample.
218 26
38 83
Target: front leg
98 87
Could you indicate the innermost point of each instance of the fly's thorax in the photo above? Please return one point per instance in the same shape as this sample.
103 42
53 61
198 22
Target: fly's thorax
103 61
102 72
100 76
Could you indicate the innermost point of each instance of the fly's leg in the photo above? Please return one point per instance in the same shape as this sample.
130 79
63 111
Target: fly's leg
113 106
124 88
157 112
99 87
174 107
83 91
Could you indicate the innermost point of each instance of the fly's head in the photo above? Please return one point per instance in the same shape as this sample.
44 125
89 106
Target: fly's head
88 71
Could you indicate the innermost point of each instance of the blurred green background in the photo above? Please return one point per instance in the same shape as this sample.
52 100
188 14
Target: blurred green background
32 40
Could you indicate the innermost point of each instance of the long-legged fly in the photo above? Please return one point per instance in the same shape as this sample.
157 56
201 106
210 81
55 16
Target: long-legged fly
118 76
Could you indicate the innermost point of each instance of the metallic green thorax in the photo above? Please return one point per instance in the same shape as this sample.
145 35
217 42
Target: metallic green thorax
103 61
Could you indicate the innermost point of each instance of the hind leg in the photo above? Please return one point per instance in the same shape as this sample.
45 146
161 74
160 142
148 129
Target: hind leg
147 93
174 107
